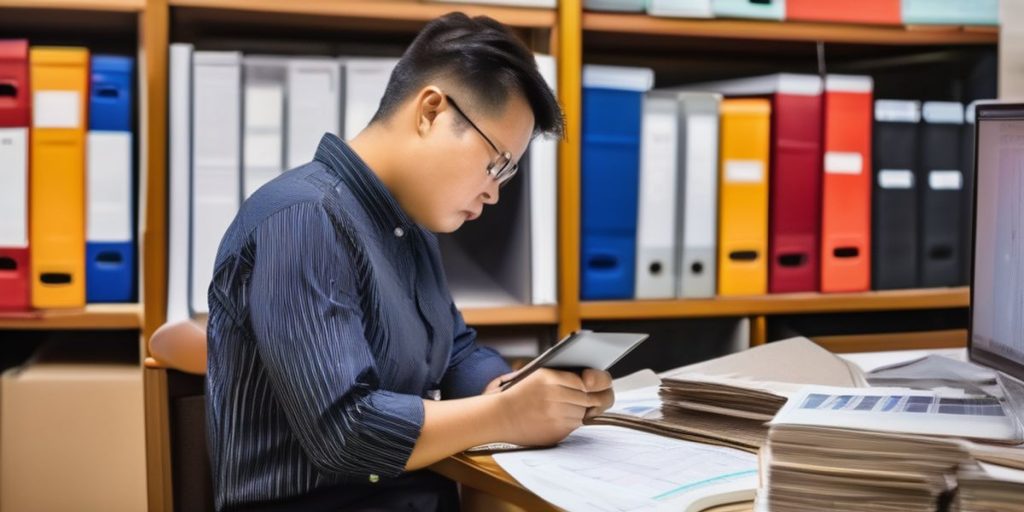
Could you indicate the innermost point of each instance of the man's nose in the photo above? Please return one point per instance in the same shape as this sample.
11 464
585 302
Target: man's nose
491 193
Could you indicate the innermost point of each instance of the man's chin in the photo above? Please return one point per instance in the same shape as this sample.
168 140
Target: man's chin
452 225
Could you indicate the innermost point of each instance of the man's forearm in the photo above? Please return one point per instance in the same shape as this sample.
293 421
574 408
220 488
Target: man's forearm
451 426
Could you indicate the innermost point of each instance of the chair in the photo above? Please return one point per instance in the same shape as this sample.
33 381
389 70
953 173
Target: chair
180 347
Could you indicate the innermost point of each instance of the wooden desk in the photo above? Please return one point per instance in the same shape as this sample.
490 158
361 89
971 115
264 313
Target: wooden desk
481 474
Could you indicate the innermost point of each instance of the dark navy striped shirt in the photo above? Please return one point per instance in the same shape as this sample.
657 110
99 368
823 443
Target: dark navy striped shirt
330 321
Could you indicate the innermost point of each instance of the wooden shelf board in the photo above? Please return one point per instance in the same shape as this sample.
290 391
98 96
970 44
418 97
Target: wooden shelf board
381 10
78 5
796 303
93 316
953 338
784 31
511 315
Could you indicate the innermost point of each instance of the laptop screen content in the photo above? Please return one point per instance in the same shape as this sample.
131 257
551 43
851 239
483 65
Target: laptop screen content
997 301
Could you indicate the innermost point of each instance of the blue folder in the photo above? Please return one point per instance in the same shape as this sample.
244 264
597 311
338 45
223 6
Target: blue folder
110 262
612 110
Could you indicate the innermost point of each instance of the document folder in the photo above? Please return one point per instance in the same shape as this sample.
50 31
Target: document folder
314 106
884 12
743 204
14 175
365 81
543 203
179 180
951 12
110 241
59 82
612 103
216 161
941 194
698 199
894 199
263 130
660 175
846 191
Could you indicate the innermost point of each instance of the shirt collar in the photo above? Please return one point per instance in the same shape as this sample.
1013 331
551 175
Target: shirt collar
364 183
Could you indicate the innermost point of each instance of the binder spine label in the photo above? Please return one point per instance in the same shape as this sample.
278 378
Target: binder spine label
895 179
744 171
945 180
13 187
838 162
56 109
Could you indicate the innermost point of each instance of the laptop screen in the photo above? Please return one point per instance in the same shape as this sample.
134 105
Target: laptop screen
997 285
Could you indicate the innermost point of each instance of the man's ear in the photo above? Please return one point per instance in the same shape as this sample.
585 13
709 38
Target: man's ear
429 103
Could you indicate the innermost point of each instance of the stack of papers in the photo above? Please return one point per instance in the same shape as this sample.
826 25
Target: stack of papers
824 468
883 449
725 401
612 469
642 409
725 396
756 383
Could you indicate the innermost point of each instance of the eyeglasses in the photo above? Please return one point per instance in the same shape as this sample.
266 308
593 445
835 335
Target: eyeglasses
501 168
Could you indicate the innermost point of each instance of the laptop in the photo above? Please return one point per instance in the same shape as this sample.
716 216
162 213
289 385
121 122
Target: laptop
996 327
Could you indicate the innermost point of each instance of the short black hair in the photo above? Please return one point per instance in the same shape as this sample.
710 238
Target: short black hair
481 55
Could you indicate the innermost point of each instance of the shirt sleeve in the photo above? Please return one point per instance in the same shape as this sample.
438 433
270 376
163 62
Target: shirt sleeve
308 329
471 366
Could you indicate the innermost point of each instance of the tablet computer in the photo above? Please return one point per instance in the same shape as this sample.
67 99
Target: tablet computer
582 349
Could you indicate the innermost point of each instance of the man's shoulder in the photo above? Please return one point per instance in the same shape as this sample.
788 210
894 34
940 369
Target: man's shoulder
305 185
308 183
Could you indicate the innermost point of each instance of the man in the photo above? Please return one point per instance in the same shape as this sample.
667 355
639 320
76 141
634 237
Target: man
332 332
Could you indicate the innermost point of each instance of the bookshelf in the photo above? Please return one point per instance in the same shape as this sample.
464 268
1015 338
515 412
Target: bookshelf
567 25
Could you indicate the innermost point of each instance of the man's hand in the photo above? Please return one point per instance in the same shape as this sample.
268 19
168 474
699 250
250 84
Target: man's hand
548 405
495 385
599 386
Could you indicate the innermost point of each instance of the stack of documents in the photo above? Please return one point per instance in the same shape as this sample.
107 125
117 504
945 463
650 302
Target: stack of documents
719 396
727 400
642 409
892 448
812 469
756 383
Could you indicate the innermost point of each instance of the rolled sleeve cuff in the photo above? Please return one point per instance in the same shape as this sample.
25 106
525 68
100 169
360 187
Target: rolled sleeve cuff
391 425
475 373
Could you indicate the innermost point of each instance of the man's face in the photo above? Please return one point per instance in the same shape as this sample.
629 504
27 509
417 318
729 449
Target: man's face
450 183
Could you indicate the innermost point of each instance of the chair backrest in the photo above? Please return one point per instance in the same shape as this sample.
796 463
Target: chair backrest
181 346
